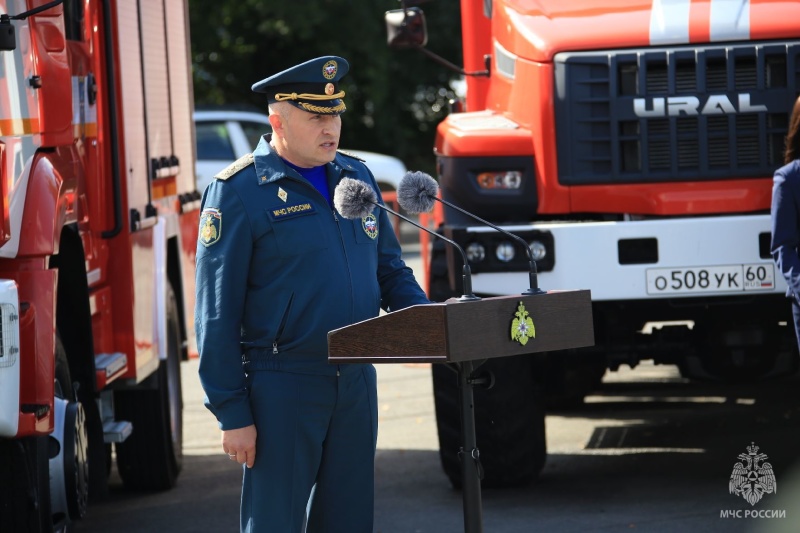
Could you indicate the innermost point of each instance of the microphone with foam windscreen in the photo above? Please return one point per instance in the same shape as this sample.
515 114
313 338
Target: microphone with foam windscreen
418 191
355 199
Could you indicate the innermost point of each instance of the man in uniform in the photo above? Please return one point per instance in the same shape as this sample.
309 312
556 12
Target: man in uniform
277 268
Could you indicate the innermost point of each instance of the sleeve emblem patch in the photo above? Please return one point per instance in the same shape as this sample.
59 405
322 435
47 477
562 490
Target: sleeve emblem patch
210 226
370 225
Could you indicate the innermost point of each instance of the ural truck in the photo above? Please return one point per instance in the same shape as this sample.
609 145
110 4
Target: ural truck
632 143
98 225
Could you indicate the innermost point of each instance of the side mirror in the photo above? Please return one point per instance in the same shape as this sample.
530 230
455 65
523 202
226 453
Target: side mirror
8 40
406 28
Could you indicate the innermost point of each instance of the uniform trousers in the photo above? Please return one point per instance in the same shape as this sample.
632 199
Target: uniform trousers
312 429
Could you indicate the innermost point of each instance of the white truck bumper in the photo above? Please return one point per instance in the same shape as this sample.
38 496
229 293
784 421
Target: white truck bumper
701 256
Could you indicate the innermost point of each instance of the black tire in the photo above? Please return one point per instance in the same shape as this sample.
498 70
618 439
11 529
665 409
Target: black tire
509 417
25 487
25 502
75 444
152 456
773 355
509 421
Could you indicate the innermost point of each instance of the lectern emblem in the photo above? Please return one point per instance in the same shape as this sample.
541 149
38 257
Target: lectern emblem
751 482
522 327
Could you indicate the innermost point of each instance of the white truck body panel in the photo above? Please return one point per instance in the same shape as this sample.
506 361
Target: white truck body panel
9 359
586 257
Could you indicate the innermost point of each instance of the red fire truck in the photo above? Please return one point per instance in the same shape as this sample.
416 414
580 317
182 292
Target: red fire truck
98 211
632 143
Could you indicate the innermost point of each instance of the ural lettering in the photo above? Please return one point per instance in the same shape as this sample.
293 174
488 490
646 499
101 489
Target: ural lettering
674 106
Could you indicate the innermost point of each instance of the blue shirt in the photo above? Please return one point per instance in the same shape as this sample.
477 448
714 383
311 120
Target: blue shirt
317 176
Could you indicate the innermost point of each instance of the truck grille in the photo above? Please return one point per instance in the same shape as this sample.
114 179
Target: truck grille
674 114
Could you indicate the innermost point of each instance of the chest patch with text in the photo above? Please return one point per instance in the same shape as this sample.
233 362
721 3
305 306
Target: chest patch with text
280 213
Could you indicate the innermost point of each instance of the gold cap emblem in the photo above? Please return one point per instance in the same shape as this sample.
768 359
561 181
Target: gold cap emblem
329 69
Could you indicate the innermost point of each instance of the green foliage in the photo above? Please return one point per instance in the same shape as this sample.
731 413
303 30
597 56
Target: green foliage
394 98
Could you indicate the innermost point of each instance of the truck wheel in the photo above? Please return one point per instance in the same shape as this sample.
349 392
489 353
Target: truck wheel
26 504
25 487
732 350
69 467
509 420
152 456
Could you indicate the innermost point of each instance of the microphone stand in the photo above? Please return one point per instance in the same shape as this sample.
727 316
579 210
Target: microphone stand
471 470
469 455
533 271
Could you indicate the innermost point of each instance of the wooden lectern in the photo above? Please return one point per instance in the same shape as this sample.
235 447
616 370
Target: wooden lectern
465 334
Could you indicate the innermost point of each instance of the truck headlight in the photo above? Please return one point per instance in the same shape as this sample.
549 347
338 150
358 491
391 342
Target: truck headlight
538 250
500 180
504 251
475 252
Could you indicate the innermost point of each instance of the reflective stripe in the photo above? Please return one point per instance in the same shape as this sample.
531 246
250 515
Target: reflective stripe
669 22
730 20
19 126
685 21
10 127
19 155
84 115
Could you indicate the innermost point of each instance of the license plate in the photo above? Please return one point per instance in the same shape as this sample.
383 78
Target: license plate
724 278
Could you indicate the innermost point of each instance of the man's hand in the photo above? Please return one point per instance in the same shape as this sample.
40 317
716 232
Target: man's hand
240 445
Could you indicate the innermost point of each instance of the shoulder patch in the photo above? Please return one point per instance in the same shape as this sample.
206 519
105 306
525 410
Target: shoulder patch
240 164
348 154
210 226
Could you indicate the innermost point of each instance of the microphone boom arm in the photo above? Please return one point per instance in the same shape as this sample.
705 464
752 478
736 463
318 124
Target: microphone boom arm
533 271
466 273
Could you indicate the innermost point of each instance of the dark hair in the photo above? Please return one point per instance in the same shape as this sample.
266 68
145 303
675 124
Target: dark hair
793 135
